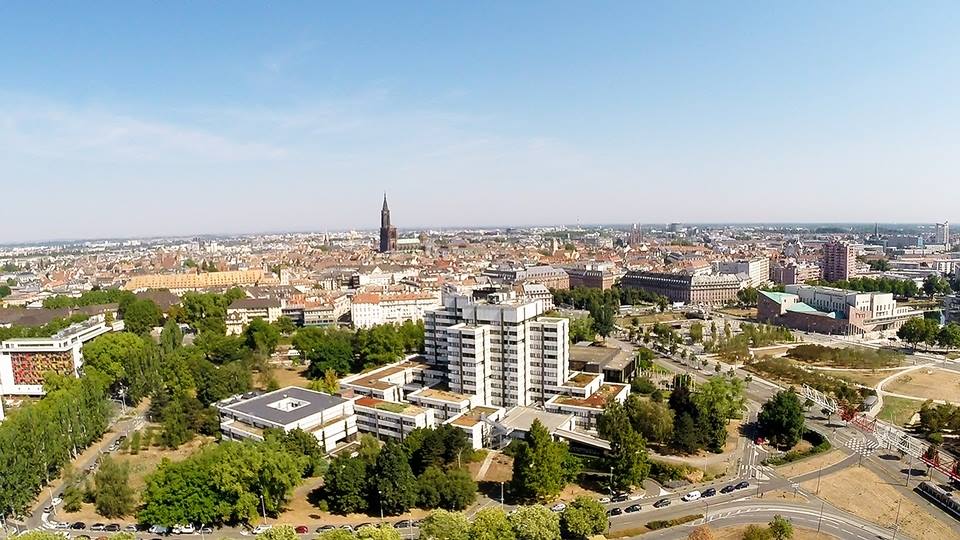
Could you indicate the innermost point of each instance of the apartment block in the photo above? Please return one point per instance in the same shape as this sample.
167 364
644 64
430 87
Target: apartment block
758 269
244 310
371 309
687 288
498 348
200 280
838 261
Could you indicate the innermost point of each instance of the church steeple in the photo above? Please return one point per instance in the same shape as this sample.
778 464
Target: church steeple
388 233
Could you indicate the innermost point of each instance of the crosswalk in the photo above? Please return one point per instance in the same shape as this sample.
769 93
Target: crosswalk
861 446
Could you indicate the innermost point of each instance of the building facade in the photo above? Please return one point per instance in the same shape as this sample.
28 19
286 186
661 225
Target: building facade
24 361
758 268
591 279
370 309
686 288
838 261
829 310
794 273
942 236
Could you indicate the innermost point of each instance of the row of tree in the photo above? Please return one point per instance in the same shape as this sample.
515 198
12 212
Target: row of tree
922 330
345 351
423 471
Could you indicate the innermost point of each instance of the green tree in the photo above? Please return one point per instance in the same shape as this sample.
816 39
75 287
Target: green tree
756 532
444 525
345 485
129 360
384 531
538 467
696 332
325 349
171 337
114 496
279 532
140 316
918 330
651 419
949 336
781 419
336 534
491 524
5 291
535 523
285 325
747 296
628 459
780 528
583 518
717 401
261 336
582 329
394 483
303 446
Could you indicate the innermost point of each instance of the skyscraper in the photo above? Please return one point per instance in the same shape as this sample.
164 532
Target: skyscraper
388 233
839 261
943 233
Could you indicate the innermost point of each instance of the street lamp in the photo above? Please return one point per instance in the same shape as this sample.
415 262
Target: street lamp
380 503
263 507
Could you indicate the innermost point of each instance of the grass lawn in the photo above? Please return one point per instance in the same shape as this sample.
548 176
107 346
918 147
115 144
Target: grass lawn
898 410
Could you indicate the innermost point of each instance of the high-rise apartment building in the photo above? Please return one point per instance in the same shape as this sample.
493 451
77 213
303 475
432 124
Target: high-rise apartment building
388 233
758 268
838 261
943 234
500 349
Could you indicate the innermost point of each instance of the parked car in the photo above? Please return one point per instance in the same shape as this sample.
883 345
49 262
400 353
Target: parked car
324 528
302 529
634 497
615 511
113 527
742 485
402 524
661 503
158 529
604 500
559 507
61 525
260 529
632 508
57 501
709 492
623 497
205 530
98 527
728 489
187 529
47 509
692 496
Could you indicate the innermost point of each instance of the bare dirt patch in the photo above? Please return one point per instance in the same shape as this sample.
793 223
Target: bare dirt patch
500 470
861 492
865 377
811 464
928 383
291 376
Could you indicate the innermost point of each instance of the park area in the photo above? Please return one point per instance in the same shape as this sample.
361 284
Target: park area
899 411
928 383
861 492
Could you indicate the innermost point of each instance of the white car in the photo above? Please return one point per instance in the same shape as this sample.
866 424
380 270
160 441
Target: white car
57 501
692 496
604 500
61 525
158 529
634 497
559 507
261 529
187 529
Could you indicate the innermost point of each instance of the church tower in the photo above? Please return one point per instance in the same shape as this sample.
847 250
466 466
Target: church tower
388 233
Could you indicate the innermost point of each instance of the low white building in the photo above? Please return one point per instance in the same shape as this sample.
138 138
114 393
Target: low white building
391 419
244 310
371 309
585 395
330 419
445 404
394 381
478 424
24 361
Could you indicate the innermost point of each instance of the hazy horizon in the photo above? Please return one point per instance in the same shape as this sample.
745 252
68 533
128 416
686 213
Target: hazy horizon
156 120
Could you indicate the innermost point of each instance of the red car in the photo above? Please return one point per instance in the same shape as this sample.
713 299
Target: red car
302 529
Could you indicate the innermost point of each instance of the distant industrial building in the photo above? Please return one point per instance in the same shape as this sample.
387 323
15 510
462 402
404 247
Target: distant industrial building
838 261
829 310
687 288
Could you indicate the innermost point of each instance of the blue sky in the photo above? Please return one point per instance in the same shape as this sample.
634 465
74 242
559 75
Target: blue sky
143 118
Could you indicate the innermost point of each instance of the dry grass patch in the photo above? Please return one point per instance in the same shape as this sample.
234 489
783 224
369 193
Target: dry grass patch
865 377
861 492
807 465
928 383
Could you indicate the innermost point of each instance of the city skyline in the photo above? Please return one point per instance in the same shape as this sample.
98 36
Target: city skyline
153 121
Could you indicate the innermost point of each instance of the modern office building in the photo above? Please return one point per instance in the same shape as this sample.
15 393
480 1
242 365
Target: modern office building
391 419
838 261
687 288
329 418
830 310
388 233
499 348
758 268
24 361
942 236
